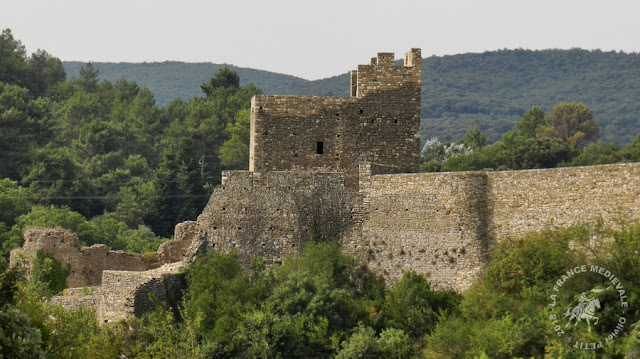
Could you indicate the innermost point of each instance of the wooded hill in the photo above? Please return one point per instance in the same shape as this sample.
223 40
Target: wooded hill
492 89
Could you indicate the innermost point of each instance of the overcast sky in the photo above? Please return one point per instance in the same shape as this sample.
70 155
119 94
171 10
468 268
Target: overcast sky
312 39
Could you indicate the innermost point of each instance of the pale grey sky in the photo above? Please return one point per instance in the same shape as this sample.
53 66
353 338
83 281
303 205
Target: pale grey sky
312 39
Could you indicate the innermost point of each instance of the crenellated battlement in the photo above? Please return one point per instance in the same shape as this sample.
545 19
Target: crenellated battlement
383 75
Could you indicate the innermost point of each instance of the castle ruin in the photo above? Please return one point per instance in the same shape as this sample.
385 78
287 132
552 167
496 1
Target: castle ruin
345 167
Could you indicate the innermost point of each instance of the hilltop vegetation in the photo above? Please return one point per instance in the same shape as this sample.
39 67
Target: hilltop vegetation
491 90
170 80
102 158
494 89
322 304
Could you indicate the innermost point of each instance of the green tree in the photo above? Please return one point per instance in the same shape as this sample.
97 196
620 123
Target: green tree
413 307
48 270
363 343
13 60
571 122
18 339
234 152
597 153
74 114
224 78
522 152
144 125
45 71
16 130
55 177
218 295
531 121
631 153
179 190
88 79
474 138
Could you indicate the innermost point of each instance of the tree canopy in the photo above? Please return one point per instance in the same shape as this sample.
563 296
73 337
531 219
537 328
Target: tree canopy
107 152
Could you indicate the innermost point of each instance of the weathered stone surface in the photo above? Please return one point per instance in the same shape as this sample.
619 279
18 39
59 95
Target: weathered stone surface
441 224
273 217
190 240
125 294
379 123
87 263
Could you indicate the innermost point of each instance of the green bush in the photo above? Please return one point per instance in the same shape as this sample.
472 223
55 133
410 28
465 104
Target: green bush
48 270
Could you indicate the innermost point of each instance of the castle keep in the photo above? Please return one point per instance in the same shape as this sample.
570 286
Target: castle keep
345 167
378 123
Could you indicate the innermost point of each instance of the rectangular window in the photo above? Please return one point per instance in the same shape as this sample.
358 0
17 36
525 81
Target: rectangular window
320 148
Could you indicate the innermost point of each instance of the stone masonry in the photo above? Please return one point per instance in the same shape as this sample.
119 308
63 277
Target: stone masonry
87 263
344 167
378 123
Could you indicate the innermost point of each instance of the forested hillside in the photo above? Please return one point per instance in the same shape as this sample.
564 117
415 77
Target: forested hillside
492 89
170 80
102 159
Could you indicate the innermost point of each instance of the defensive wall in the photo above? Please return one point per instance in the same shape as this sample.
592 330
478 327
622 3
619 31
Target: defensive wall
441 224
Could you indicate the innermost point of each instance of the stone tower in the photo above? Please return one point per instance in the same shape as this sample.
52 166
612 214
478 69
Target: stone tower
378 123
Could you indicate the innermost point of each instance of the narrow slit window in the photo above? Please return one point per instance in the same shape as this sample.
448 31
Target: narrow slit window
319 148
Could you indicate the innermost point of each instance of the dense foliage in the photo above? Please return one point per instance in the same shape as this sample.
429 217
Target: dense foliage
565 137
171 80
317 305
323 304
509 314
491 90
102 158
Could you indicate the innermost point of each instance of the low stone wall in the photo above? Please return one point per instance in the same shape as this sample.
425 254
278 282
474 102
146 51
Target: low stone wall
76 298
125 294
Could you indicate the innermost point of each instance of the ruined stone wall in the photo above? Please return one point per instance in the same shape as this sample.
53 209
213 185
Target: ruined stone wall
378 123
87 263
273 214
125 294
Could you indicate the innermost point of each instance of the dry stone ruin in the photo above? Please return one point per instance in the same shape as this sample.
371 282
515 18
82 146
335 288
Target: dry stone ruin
345 167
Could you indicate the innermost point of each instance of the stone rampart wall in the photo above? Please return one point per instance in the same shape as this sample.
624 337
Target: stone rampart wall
441 224
437 224
431 224
272 214
524 201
